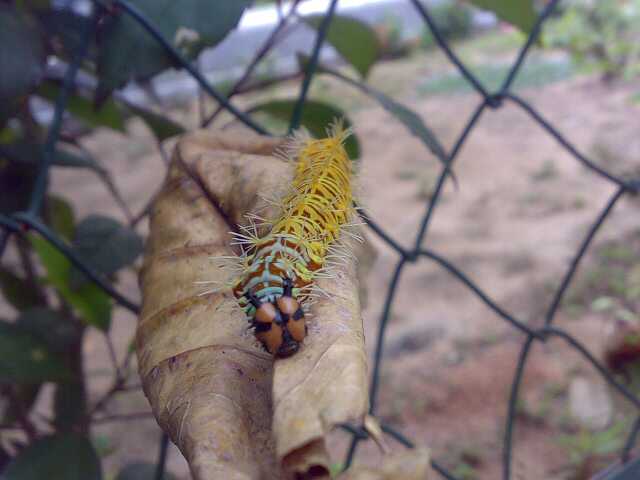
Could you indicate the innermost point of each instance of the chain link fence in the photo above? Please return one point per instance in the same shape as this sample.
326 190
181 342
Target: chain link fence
30 220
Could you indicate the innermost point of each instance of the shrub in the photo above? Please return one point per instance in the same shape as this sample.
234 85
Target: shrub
603 35
454 21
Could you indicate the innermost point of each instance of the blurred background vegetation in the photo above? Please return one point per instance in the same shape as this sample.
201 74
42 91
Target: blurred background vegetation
51 408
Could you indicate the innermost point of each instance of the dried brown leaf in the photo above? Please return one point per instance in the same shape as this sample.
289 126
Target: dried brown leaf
374 429
408 465
232 410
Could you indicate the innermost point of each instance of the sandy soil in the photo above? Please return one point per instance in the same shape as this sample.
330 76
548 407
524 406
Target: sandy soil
520 210
522 207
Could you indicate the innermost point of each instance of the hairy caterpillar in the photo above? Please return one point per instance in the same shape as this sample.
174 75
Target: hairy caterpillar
278 270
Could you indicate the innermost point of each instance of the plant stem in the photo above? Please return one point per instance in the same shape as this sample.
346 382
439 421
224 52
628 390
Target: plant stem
21 413
70 401
29 271
269 43
310 68
123 417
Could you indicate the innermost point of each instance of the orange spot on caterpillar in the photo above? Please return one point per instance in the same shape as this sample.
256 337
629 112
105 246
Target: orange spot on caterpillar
287 259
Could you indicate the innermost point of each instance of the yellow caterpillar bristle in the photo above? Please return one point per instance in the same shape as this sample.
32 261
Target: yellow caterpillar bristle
274 276
302 243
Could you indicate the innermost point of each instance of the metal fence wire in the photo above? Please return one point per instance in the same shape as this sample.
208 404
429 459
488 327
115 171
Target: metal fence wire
22 222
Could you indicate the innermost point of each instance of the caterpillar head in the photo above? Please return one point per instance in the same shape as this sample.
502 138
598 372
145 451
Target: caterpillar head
279 325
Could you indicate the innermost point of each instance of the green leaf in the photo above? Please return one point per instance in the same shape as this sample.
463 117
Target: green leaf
109 114
316 117
453 19
31 154
16 184
626 315
33 6
69 404
27 359
105 245
91 303
141 471
17 291
161 126
22 58
63 337
64 29
112 114
355 41
23 399
129 53
8 135
67 456
602 304
132 345
65 158
519 13
59 215
407 117
48 326
413 122
104 445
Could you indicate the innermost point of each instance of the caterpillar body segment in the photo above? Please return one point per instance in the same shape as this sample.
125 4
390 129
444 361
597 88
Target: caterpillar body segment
279 269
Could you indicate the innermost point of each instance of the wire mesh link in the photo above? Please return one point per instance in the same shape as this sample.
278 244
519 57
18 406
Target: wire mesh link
22 222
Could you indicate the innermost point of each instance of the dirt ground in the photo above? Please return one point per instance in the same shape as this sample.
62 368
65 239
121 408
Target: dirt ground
519 212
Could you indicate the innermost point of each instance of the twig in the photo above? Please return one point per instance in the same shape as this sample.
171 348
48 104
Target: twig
144 212
112 356
267 82
106 178
130 388
162 457
120 379
163 153
29 271
127 359
31 222
310 69
23 416
123 417
40 185
147 208
102 402
9 426
140 18
269 43
202 114
4 239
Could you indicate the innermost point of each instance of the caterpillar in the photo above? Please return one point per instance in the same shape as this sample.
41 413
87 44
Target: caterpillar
279 269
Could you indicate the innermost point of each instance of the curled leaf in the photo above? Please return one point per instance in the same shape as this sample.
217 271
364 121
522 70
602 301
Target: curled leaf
408 465
374 429
232 410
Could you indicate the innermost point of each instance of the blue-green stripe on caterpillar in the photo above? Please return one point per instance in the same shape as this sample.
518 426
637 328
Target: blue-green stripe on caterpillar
275 274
